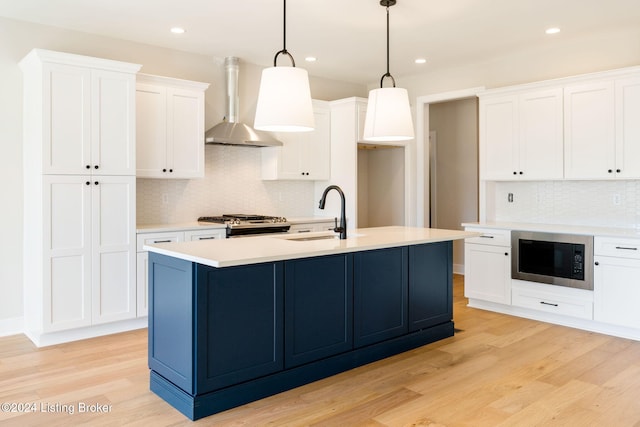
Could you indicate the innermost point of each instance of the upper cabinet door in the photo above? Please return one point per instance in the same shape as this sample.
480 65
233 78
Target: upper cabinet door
113 123
66 126
185 131
589 135
628 128
499 138
151 111
303 155
169 128
540 125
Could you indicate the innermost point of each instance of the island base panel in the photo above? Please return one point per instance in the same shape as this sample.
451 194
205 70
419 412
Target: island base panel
199 406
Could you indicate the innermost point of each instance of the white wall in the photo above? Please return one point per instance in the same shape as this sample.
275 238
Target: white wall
18 38
455 166
381 186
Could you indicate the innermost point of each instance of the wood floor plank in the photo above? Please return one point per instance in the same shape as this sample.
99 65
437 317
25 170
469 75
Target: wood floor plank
497 370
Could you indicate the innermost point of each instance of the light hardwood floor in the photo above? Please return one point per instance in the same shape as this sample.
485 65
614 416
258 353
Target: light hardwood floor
496 371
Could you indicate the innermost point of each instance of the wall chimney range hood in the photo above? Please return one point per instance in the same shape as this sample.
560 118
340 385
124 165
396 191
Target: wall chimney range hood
230 131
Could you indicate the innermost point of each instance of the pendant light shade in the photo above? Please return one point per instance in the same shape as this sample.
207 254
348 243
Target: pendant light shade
388 115
284 101
284 98
388 112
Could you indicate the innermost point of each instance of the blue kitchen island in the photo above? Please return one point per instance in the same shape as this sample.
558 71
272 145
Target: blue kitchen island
232 321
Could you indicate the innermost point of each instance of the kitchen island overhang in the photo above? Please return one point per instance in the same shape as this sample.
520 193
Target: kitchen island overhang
237 320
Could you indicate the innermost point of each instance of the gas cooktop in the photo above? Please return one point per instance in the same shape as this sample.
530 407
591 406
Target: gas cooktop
243 224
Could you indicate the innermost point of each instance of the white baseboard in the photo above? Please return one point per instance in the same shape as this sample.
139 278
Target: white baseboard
12 326
458 269
52 338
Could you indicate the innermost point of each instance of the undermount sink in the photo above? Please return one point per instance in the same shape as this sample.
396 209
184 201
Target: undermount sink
308 238
312 237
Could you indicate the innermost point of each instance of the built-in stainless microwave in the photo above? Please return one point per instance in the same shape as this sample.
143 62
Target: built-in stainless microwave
555 259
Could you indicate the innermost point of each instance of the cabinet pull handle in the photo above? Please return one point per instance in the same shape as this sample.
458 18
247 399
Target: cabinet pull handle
626 248
162 241
206 238
304 231
548 303
487 237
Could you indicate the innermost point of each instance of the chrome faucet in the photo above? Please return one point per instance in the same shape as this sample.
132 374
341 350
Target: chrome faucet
342 229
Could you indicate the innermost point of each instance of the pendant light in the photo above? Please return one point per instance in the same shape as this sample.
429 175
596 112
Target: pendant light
284 98
388 113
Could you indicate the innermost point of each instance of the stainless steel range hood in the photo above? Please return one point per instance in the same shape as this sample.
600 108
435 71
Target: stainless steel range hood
229 131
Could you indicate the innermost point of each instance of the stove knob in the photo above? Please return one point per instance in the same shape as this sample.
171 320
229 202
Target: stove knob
283 219
236 221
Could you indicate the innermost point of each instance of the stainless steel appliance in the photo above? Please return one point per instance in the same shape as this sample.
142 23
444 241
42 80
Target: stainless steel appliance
555 259
247 225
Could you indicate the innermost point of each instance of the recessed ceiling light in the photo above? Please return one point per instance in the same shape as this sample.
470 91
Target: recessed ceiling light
311 59
177 30
552 30
420 61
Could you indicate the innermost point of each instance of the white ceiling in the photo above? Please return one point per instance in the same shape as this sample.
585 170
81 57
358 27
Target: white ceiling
347 37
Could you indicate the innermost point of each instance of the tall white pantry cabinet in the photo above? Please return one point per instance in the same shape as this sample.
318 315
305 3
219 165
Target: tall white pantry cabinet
79 193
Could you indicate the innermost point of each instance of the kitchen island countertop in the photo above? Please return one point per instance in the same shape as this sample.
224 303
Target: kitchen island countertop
268 248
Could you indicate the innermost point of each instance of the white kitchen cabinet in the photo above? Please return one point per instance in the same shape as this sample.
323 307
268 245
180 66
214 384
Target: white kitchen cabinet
589 132
487 266
303 155
169 127
80 113
560 300
79 195
88 251
627 128
142 260
616 288
521 136
142 265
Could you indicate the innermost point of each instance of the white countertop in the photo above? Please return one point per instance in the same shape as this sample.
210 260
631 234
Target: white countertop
268 248
559 228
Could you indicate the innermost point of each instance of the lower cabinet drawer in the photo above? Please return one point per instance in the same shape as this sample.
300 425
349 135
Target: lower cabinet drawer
537 298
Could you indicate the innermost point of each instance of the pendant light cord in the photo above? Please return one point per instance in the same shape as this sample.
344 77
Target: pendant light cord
284 41
387 74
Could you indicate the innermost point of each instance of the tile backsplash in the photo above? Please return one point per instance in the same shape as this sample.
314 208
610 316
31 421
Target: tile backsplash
232 184
592 203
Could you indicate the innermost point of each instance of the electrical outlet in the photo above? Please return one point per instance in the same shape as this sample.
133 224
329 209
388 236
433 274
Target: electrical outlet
510 198
165 199
616 199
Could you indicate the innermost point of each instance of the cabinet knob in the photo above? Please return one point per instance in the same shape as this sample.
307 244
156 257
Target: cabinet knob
618 170
521 172
515 173
170 170
610 171
88 183
506 254
96 183
164 170
597 263
88 166
96 167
